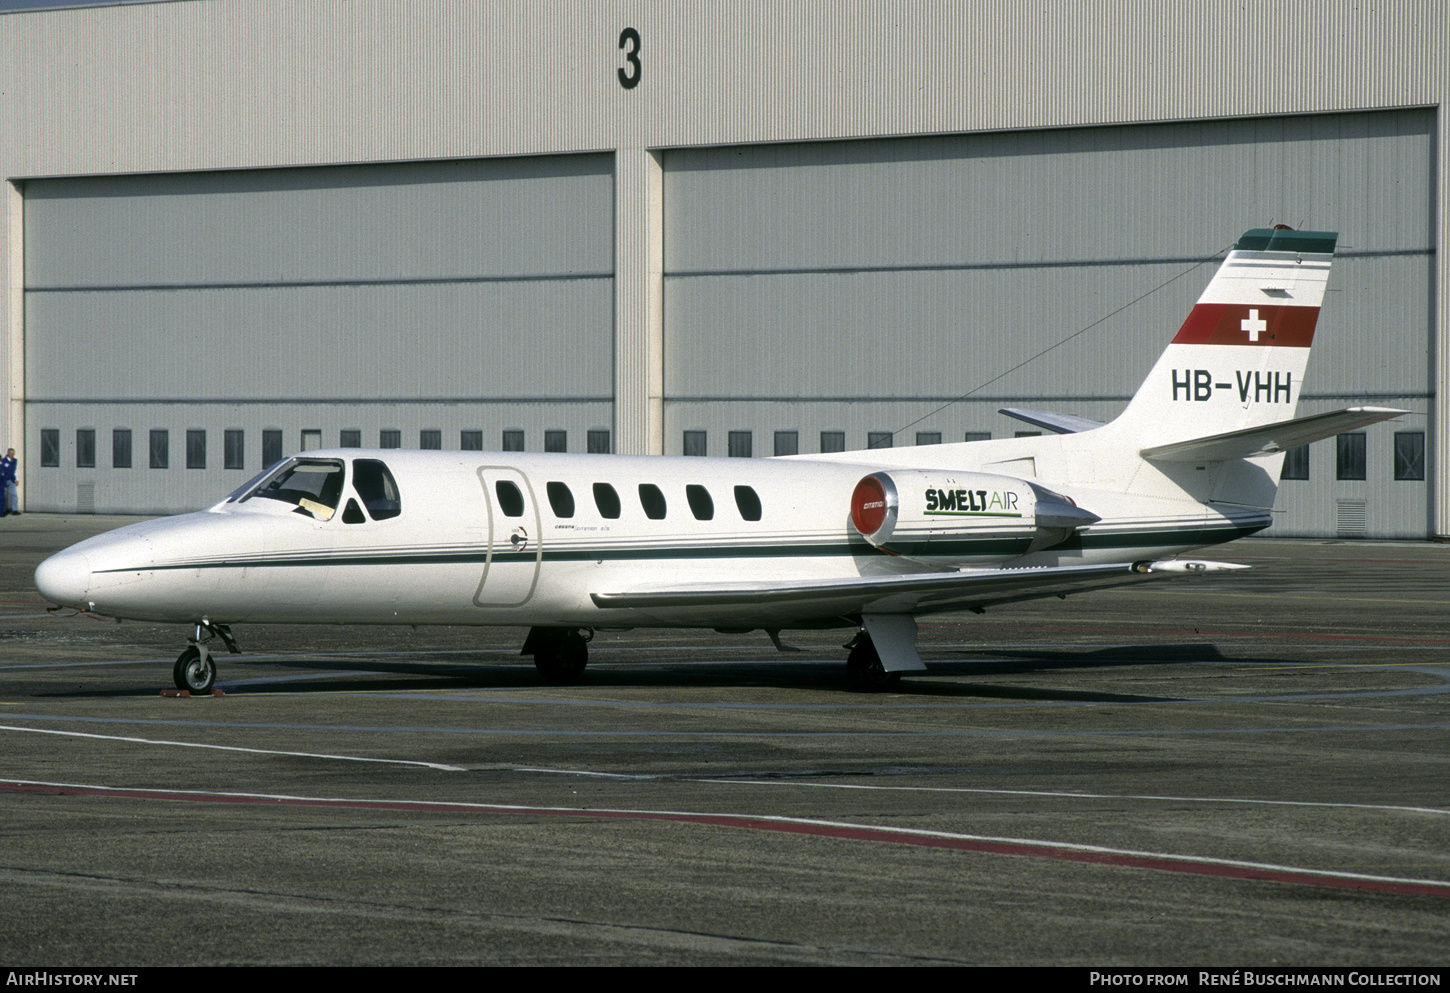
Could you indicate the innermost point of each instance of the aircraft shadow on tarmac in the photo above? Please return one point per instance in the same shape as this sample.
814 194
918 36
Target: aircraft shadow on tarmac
300 675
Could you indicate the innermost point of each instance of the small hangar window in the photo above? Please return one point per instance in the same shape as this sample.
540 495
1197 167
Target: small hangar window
556 441
160 449
50 447
390 438
234 449
85 448
430 440
513 440
271 447
121 448
700 503
878 439
833 441
787 443
694 443
470 441
1296 463
560 499
652 500
1410 455
1349 461
598 441
349 438
739 445
195 448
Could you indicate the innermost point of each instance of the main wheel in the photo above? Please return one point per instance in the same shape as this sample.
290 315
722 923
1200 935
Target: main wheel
193 674
865 671
562 656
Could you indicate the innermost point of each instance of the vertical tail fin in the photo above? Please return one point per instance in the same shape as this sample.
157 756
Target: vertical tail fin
1238 360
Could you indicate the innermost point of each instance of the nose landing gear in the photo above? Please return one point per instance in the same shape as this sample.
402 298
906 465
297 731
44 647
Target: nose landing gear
195 669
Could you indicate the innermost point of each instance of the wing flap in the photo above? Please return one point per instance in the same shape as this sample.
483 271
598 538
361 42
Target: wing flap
1270 438
912 593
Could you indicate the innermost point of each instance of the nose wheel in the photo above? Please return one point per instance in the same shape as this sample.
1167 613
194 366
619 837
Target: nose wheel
195 671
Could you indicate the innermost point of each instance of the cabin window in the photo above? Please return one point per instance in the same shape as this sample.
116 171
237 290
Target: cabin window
313 486
470 441
86 448
513 440
598 441
560 499
121 448
652 500
700 503
607 500
787 443
430 440
50 447
349 438
833 441
739 445
510 498
160 449
195 448
375 485
556 441
748 502
233 449
271 447
694 443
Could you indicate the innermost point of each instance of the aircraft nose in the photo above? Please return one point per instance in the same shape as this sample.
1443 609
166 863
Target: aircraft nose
65 578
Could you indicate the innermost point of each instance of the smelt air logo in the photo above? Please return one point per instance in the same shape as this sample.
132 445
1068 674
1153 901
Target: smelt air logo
972 503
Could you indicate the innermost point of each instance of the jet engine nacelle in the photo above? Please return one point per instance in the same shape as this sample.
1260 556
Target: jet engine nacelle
961 514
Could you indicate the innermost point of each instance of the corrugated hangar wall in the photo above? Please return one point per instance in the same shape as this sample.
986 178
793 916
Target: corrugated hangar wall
855 288
861 287
409 299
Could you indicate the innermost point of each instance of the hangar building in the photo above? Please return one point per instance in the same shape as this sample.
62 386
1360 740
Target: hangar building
240 228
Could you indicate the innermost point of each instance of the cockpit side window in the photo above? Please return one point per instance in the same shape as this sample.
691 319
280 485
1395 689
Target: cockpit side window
313 486
375 485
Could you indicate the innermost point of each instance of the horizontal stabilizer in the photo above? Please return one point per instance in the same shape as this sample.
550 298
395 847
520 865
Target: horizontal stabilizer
1269 439
1058 423
914 592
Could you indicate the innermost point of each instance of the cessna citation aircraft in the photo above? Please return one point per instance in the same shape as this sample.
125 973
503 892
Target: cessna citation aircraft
871 540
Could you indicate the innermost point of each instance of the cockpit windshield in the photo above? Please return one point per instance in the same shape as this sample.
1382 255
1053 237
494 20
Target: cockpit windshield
313 486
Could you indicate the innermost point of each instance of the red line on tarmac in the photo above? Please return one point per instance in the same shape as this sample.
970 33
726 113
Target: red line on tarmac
1223 869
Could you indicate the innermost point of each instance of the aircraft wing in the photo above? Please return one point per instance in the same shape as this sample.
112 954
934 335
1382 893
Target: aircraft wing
1057 423
1270 438
913 593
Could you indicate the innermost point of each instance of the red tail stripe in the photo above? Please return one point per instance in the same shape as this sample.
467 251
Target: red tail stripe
1230 324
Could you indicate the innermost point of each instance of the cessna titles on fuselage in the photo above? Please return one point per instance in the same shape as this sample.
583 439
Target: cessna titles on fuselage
991 503
1260 387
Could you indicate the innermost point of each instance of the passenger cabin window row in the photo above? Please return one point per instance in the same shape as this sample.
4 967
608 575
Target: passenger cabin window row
606 500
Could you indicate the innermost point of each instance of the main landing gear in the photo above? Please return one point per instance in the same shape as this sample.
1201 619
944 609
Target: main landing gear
560 654
864 668
195 669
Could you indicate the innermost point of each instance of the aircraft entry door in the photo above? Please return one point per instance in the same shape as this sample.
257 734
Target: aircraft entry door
515 551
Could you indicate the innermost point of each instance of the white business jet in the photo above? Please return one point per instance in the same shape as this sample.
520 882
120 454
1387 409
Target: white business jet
567 544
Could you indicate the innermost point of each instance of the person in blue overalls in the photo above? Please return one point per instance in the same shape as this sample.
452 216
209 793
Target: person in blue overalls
9 492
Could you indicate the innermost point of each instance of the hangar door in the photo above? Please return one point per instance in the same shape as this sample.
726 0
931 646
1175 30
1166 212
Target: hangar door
845 295
184 329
